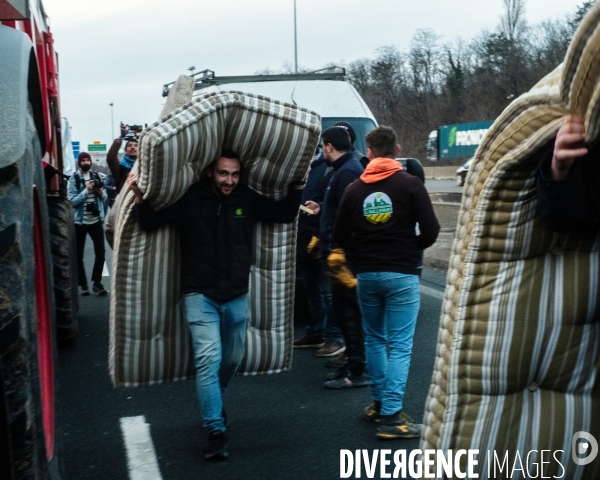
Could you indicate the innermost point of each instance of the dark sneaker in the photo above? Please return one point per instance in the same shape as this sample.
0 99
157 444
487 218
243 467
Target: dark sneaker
84 291
371 413
330 349
338 361
309 342
399 425
217 447
339 373
348 381
99 289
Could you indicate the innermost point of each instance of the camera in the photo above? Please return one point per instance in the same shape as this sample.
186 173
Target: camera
93 209
132 132
98 184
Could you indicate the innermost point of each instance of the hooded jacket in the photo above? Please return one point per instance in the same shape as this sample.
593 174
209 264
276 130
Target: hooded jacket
379 213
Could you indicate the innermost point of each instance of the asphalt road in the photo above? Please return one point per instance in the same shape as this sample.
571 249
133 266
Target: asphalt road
284 426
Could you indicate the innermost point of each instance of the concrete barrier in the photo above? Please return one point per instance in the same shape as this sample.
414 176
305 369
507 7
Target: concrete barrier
446 206
440 172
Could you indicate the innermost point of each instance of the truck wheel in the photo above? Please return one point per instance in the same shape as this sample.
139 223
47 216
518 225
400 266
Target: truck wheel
27 339
64 262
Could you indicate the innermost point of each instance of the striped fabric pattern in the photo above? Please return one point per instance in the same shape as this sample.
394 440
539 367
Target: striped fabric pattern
149 340
518 355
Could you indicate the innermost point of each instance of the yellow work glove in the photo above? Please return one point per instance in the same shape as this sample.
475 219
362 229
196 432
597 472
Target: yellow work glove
337 266
313 248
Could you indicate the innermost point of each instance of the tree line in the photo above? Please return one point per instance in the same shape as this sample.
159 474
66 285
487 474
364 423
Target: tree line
435 83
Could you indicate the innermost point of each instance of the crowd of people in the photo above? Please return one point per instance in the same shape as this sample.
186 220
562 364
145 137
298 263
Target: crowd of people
362 227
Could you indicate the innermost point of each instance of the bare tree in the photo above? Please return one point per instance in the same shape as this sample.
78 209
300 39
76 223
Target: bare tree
513 21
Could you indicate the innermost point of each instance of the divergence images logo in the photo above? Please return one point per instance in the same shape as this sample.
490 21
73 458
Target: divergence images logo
377 208
588 447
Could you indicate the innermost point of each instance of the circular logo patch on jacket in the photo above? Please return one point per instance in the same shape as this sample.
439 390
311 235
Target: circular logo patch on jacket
377 208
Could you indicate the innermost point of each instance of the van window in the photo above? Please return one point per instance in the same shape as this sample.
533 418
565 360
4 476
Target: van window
361 127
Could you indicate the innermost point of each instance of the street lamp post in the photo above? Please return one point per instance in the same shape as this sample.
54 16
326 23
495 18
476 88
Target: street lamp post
295 41
191 69
112 122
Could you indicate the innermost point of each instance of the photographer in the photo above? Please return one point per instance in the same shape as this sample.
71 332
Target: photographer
87 195
120 169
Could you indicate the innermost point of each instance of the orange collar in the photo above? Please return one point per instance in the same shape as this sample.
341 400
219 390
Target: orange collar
379 169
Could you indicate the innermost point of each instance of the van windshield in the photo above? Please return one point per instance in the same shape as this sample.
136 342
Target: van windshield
361 127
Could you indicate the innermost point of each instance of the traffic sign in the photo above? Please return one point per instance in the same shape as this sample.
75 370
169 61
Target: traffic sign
98 147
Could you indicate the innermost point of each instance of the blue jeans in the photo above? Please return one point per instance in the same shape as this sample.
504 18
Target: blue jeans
218 332
389 303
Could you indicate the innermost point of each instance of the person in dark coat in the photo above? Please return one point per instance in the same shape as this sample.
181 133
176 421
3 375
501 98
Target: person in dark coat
119 169
215 218
321 331
377 216
569 180
336 146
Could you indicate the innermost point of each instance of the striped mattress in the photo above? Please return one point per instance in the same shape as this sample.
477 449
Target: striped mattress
149 340
517 358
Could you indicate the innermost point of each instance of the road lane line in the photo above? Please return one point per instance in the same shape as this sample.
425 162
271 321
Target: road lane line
432 292
141 457
105 272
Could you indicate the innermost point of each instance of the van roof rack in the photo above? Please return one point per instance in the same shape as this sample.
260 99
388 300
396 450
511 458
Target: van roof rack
206 78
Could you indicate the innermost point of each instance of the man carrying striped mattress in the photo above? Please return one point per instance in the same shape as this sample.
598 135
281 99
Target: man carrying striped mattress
215 219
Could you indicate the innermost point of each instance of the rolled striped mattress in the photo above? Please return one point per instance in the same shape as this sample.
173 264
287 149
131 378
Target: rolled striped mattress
149 339
517 358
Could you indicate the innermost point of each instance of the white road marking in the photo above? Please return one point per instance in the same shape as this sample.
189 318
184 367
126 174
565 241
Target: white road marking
105 272
141 457
432 292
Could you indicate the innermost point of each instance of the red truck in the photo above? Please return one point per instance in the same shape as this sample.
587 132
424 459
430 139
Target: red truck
38 291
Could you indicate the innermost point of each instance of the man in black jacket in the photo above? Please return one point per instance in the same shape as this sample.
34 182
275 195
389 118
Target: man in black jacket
378 215
215 219
569 180
335 142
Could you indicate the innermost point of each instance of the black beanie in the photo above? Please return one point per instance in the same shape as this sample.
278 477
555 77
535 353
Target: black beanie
83 155
346 126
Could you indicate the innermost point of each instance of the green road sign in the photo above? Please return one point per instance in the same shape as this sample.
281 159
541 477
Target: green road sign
97 147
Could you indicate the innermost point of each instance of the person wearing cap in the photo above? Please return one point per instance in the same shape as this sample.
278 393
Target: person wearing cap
321 331
335 142
364 161
87 196
121 168
377 216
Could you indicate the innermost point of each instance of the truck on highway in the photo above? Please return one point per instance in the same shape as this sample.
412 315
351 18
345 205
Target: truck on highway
38 289
326 92
456 141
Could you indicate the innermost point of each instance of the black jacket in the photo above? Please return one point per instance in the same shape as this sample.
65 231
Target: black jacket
572 203
216 234
380 219
308 225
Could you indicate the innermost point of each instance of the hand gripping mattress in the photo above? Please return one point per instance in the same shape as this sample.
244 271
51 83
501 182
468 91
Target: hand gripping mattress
517 358
149 340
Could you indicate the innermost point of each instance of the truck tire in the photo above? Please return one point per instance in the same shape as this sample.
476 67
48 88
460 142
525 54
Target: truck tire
28 416
64 261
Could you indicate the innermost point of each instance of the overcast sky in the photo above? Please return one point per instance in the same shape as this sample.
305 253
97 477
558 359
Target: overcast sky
122 52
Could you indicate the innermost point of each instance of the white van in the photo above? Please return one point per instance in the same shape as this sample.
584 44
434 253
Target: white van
326 92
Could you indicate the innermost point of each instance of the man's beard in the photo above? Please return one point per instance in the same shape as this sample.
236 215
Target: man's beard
85 168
